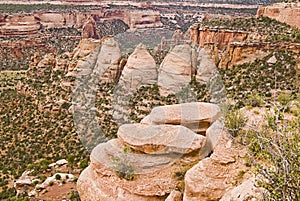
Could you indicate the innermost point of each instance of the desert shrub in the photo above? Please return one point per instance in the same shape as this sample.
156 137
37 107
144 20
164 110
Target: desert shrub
234 122
57 177
275 154
122 168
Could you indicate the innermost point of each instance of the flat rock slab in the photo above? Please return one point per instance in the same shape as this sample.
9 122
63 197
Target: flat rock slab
160 139
193 113
106 154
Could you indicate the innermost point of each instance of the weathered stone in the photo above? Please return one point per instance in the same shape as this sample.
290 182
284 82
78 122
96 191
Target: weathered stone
108 60
90 30
283 12
213 176
244 192
102 60
140 69
272 60
160 139
176 70
195 115
47 61
153 175
206 67
213 133
85 47
174 196
221 37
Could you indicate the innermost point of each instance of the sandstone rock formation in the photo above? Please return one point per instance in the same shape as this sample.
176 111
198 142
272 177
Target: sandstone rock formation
140 69
47 61
176 70
283 12
89 29
206 67
108 60
101 57
248 190
239 53
221 37
156 153
85 47
30 24
160 139
195 116
213 176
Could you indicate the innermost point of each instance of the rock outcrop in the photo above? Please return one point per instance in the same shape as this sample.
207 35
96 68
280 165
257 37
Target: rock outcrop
30 24
248 190
283 12
160 139
100 57
176 70
195 116
213 176
221 37
206 67
108 60
89 29
239 53
140 69
141 163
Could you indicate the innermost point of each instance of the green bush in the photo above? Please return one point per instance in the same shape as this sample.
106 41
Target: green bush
276 155
57 177
123 168
234 122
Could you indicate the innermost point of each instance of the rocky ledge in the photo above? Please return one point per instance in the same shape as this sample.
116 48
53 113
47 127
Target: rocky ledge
141 163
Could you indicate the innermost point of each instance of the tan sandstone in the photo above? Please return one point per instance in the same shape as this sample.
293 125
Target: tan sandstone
160 139
140 69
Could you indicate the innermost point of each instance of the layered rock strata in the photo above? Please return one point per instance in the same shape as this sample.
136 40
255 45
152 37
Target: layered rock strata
283 12
140 69
176 70
148 156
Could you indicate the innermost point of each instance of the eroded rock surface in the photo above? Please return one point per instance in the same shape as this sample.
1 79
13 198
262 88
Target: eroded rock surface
195 115
140 69
89 29
283 12
160 138
149 156
213 176
176 70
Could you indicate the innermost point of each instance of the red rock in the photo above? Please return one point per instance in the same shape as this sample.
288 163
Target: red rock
89 29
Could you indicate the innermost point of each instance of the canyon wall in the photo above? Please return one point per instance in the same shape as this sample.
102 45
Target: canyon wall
247 52
30 24
221 37
283 12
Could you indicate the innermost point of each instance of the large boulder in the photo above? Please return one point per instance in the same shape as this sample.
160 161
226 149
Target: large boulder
160 139
195 115
248 190
140 69
213 133
212 177
176 70
153 174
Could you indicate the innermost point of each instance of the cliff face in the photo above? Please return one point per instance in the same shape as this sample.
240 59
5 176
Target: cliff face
239 53
221 37
30 24
283 12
